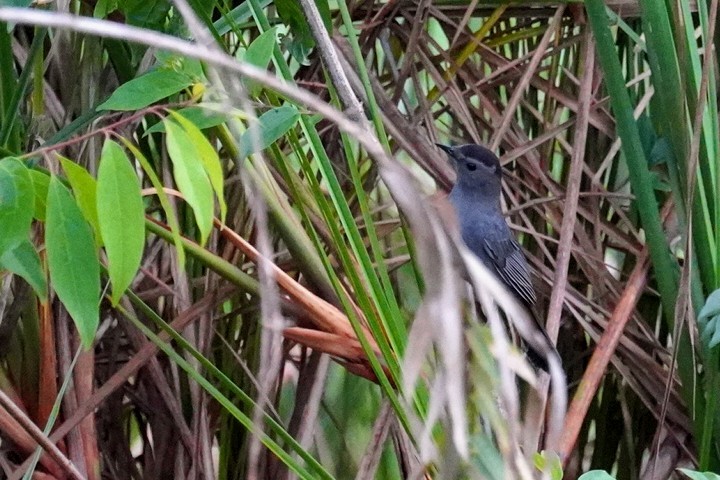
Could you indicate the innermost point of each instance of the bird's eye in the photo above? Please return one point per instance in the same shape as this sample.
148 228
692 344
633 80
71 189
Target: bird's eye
471 166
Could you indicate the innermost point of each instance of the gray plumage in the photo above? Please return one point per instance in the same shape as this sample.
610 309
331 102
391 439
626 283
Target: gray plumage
476 199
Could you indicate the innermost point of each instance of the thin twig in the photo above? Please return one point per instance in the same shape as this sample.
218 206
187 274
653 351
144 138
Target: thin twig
525 79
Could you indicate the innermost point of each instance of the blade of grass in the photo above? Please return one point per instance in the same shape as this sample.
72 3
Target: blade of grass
666 269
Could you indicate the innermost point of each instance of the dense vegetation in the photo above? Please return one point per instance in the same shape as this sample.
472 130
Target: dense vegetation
225 250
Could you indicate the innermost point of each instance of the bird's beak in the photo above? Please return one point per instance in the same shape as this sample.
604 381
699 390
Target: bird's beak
447 149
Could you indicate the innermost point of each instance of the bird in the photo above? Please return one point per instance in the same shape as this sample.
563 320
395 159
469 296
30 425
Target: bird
475 198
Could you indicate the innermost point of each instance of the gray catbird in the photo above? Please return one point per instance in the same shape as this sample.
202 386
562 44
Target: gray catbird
476 200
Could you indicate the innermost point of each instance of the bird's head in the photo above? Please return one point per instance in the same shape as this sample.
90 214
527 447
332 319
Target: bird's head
478 169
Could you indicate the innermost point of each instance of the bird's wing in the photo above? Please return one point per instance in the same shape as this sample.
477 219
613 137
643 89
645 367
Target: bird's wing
511 266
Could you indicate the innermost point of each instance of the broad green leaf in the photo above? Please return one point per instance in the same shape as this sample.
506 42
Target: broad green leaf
72 260
202 118
209 158
190 176
84 187
162 197
259 54
40 184
17 203
121 215
260 50
488 460
694 475
661 152
104 7
272 125
709 320
23 260
15 3
146 14
596 475
146 89
190 67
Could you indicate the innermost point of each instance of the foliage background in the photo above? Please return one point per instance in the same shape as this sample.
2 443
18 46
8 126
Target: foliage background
605 116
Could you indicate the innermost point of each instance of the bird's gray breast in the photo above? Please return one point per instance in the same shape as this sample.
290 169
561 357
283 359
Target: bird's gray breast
487 235
480 223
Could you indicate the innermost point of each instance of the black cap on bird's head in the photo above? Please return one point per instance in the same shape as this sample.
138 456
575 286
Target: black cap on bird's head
476 166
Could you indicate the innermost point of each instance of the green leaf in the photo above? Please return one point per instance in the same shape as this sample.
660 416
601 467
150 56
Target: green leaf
84 187
40 184
147 14
202 118
661 152
272 125
209 158
190 67
146 89
596 475
15 3
659 183
694 475
549 462
162 197
488 460
292 15
259 54
104 7
17 201
72 260
709 320
23 260
260 50
237 16
121 215
190 176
